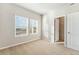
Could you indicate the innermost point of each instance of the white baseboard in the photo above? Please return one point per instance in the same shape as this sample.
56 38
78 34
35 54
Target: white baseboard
75 48
17 44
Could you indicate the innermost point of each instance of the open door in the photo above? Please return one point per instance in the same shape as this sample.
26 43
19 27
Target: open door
59 29
56 29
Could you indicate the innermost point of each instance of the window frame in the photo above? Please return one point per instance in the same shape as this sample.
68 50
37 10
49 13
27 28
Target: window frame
27 32
37 26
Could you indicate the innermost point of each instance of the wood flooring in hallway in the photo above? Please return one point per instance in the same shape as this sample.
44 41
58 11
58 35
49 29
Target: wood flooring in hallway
39 47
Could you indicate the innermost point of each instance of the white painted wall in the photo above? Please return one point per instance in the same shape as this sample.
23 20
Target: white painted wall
48 25
51 26
45 26
7 25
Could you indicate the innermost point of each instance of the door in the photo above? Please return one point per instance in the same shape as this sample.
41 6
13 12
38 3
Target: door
56 29
73 31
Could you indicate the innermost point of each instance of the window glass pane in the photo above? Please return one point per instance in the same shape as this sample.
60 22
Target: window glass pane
21 25
34 26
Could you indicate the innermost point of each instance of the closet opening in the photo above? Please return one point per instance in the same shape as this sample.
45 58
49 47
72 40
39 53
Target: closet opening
59 29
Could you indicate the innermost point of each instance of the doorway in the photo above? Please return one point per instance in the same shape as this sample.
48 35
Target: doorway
59 29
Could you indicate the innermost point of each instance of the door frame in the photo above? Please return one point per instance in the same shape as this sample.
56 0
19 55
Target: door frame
65 29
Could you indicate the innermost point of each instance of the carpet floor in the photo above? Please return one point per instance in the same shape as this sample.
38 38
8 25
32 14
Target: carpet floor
39 47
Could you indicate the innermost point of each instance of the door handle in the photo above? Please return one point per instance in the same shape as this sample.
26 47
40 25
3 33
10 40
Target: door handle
68 32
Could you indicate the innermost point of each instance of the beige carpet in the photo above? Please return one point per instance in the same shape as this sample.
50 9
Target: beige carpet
39 47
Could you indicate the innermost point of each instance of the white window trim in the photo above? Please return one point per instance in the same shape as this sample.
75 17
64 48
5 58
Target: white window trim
36 27
27 32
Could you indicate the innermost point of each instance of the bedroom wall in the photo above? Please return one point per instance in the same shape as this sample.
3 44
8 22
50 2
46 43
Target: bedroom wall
45 27
48 26
50 19
7 25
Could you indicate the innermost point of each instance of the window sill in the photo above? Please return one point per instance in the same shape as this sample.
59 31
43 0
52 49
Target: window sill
21 35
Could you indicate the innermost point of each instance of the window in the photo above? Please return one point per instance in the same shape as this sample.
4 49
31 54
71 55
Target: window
21 25
34 26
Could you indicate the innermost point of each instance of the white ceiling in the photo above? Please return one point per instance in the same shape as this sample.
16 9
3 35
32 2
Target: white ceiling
43 8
